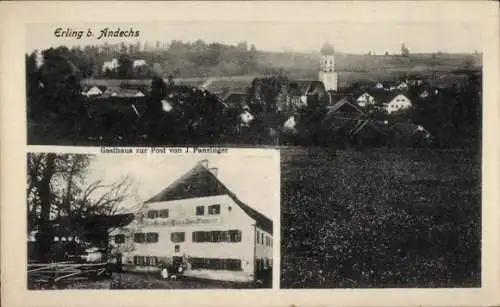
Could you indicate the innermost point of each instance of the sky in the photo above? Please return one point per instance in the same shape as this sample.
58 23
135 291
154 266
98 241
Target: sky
254 178
298 36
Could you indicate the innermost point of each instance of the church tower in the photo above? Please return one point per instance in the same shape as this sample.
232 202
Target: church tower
327 73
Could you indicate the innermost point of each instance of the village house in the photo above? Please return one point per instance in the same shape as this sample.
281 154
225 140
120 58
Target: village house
93 91
122 92
110 65
424 94
402 86
139 63
198 219
246 117
365 100
396 103
304 91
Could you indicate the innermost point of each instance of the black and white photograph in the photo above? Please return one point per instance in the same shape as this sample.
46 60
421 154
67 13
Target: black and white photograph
151 222
248 84
235 153
392 176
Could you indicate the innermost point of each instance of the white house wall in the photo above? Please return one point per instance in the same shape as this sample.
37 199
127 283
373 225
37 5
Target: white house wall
400 102
183 218
262 250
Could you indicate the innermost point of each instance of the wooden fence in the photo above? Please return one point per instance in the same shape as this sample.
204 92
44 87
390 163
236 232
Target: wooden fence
54 274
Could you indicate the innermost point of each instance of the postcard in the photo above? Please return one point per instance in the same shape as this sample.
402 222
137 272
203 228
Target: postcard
246 153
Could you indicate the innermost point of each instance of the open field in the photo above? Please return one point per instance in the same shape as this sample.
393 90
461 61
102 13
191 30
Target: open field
380 218
350 68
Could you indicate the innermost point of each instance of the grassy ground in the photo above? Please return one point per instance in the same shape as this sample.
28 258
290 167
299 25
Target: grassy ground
380 218
148 281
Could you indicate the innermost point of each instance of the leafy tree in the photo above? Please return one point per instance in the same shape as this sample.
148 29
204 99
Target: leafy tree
404 50
468 63
125 66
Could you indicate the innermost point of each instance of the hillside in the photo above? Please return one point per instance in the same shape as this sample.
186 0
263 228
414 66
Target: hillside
199 60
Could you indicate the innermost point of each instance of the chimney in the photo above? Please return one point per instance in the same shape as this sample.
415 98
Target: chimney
204 163
214 170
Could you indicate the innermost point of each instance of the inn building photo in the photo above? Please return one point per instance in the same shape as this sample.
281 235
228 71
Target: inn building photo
198 221
152 222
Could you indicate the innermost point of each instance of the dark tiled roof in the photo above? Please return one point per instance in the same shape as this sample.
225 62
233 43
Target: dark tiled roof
201 182
235 98
344 105
304 87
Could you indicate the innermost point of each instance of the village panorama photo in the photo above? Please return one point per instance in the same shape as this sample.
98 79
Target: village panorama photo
245 84
159 222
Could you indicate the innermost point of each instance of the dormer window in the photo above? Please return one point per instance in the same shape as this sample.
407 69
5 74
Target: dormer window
214 209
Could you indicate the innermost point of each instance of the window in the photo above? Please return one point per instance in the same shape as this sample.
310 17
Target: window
262 238
214 209
235 235
150 261
177 237
164 213
120 238
258 236
138 260
152 214
152 237
177 248
145 260
216 264
200 210
217 236
139 237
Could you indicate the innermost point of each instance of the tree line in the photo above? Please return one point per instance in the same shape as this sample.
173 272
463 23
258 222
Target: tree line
179 59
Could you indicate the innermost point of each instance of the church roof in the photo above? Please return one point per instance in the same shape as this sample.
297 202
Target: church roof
201 182
327 49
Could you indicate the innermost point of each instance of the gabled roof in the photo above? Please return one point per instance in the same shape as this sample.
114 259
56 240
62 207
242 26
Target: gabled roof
386 97
344 105
234 98
201 182
303 87
224 86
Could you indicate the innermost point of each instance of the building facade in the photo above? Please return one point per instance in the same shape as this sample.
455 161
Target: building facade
199 221
327 73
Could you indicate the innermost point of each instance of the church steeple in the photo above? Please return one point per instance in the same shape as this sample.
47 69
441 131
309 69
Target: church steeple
327 49
327 73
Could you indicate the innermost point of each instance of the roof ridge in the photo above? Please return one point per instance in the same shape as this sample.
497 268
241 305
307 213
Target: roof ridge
260 218
175 182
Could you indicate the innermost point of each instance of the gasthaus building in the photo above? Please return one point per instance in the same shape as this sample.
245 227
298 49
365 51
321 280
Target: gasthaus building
197 218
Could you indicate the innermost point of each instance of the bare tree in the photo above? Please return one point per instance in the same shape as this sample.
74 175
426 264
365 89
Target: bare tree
56 187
